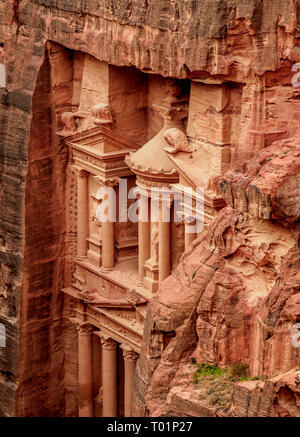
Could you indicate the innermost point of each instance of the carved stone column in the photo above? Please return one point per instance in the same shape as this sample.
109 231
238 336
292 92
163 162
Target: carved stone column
164 256
85 370
82 211
108 228
108 246
130 359
109 377
143 240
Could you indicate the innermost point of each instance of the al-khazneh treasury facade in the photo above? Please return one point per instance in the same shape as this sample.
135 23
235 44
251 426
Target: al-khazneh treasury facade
104 317
115 266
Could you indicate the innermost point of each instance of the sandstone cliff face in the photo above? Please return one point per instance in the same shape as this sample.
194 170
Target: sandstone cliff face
236 40
233 298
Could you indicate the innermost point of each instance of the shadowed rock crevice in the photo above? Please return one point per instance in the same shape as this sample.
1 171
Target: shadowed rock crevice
234 296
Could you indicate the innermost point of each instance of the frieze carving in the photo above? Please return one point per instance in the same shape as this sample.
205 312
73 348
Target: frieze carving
126 333
134 298
110 164
88 158
115 164
126 315
111 325
110 182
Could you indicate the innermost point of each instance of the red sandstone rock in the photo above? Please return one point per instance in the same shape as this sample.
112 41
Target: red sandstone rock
236 288
234 295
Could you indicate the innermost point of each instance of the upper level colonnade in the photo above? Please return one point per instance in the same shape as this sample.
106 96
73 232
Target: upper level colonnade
136 201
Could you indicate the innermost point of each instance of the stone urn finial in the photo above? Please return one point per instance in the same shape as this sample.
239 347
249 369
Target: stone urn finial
176 141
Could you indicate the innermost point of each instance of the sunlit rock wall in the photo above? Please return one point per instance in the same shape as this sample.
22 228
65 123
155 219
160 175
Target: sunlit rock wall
237 40
233 298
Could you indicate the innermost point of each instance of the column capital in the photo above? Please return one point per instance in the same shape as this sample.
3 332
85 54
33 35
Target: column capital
129 354
83 328
79 172
108 343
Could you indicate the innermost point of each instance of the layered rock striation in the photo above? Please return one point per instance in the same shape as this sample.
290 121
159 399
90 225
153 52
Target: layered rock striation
236 276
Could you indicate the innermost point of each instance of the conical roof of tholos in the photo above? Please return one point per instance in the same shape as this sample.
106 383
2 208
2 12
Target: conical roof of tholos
152 158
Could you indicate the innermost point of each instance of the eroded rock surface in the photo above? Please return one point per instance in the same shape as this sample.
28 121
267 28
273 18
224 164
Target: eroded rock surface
233 298
251 46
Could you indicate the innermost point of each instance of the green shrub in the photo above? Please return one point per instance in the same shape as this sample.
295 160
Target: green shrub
239 372
208 370
215 384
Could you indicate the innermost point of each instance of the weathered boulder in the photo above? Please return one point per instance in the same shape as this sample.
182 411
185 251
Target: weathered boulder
233 298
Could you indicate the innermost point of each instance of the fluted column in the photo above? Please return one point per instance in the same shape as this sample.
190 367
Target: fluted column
109 377
143 238
82 211
130 359
85 370
164 254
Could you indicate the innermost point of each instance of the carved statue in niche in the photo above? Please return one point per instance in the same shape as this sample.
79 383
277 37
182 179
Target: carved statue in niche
154 243
176 141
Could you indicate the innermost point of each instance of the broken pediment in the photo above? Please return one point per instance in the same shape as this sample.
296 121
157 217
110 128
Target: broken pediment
101 140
